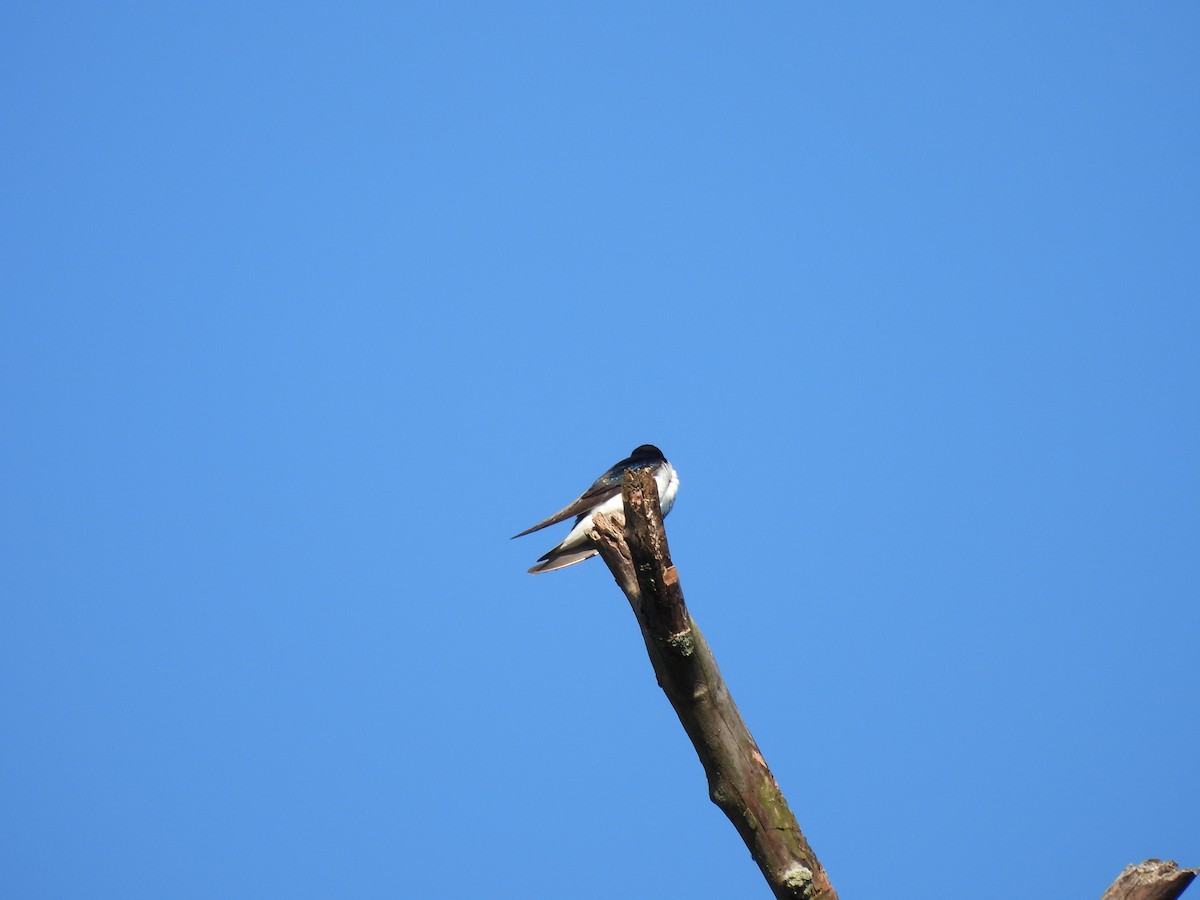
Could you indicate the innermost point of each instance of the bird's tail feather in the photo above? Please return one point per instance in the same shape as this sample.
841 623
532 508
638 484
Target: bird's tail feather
553 560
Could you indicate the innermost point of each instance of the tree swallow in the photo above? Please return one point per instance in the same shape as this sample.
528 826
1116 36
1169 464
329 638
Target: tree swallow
604 497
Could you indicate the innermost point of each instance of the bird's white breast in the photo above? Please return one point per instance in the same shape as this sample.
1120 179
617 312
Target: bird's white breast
668 486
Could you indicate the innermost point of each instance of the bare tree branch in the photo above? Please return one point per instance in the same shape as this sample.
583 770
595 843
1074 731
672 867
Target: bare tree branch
634 548
739 781
1152 880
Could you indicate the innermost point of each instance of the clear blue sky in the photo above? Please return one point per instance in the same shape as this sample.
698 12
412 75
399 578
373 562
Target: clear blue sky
306 309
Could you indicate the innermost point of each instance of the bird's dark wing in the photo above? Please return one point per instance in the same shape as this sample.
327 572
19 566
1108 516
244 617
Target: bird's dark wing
604 487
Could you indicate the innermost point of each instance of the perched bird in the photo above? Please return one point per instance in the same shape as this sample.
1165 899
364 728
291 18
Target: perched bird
605 497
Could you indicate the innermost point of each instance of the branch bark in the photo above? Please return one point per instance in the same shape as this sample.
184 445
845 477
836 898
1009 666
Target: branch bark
739 782
1152 880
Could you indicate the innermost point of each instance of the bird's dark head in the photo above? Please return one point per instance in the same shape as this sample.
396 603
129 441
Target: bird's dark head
647 452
